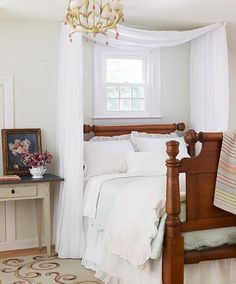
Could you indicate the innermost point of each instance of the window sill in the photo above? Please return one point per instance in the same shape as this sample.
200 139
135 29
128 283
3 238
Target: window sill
127 117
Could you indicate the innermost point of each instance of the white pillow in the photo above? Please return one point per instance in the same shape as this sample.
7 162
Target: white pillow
152 135
149 163
146 163
144 144
106 157
110 138
139 138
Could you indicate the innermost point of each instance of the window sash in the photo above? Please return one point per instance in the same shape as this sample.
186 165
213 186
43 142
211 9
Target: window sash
151 84
142 58
132 98
119 85
131 108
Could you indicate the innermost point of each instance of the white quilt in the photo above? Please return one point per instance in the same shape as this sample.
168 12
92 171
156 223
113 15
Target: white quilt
134 218
92 190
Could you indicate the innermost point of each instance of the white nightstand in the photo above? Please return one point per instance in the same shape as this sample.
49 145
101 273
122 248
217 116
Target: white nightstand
38 189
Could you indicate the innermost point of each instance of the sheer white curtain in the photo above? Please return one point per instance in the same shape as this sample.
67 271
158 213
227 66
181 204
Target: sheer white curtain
138 39
209 82
69 235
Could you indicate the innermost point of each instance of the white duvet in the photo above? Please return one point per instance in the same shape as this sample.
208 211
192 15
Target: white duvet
92 191
132 224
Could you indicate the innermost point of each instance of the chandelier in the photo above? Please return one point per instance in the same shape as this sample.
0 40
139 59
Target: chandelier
94 16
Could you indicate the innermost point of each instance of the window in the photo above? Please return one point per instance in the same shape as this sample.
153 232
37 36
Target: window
123 84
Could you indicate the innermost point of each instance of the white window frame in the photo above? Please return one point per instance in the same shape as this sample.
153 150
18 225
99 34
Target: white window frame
152 81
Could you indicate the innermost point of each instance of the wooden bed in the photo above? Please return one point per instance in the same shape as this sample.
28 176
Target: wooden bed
200 186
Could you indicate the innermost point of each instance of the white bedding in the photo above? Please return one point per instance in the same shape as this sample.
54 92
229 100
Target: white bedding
92 190
93 186
130 231
112 269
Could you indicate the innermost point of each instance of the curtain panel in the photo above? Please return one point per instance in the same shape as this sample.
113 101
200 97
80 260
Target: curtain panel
209 82
131 38
68 233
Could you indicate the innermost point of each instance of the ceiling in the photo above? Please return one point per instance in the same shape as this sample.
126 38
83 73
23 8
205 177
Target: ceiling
152 14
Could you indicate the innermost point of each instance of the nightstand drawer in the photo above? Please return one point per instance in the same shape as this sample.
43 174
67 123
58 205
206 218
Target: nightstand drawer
18 191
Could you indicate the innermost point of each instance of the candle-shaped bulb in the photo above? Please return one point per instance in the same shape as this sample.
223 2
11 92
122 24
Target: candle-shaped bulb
76 4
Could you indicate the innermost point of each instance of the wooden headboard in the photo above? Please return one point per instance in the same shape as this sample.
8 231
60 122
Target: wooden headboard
126 129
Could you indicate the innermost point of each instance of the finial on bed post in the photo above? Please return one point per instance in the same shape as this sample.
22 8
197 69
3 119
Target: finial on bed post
180 126
173 244
88 128
191 138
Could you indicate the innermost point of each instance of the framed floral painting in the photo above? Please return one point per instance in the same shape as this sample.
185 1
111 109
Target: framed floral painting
16 142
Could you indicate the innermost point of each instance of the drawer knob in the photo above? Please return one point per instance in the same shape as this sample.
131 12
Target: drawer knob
13 191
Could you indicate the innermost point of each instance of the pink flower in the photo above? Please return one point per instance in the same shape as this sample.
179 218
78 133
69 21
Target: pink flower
36 159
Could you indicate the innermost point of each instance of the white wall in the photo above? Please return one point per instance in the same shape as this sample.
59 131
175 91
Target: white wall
174 88
175 84
29 52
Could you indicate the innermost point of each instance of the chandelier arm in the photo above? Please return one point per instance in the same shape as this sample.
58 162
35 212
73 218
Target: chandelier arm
87 14
87 28
112 25
101 7
101 10
86 4
79 23
93 13
87 17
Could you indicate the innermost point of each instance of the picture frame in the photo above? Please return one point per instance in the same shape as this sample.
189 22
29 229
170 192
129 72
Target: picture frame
14 143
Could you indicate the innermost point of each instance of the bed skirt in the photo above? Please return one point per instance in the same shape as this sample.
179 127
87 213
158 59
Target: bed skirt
114 270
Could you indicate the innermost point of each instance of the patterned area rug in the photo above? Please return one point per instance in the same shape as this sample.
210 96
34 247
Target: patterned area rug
43 270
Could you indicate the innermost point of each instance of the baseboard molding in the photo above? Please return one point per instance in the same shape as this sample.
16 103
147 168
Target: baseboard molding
25 252
24 244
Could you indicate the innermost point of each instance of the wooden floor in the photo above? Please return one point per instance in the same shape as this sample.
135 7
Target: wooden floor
23 252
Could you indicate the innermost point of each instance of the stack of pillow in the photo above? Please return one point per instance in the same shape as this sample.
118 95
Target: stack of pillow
136 154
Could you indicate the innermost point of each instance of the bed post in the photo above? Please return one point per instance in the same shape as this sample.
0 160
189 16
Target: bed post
191 138
173 255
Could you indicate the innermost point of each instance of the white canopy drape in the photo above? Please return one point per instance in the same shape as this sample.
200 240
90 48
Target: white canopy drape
135 38
69 235
209 91
209 82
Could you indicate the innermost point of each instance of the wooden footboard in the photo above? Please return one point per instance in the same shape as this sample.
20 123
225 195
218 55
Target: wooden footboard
200 183
201 213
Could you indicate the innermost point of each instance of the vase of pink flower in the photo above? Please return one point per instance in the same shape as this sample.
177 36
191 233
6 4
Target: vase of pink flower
37 162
